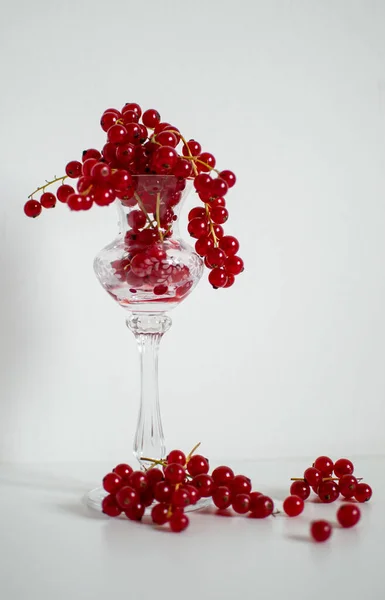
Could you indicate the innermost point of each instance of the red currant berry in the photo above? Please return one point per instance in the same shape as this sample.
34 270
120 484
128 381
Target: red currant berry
132 106
203 245
347 486
32 208
48 200
112 483
217 202
163 491
166 138
123 470
136 219
154 476
320 530
87 202
202 181
313 476
109 152
135 511
151 118
222 497
84 184
293 506
234 265
122 181
74 169
324 464
88 166
241 503
240 484
229 177
178 522
63 191
110 506
205 162
183 168
198 228
343 466
198 464
328 491
215 257
159 514
108 120
301 489
204 484
129 116
174 473
197 213
219 215
253 500
138 481
263 506
363 492
113 110
218 188
125 154
91 153
230 280
193 493
117 134
103 196
147 497
218 231
176 456
126 496
222 475
218 278
164 159
180 498
101 172
75 202
161 289
348 515
229 244
192 148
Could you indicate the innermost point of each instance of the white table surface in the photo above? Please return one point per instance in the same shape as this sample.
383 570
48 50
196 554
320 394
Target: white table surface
53 547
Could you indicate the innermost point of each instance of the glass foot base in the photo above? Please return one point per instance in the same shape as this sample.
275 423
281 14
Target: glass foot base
93 499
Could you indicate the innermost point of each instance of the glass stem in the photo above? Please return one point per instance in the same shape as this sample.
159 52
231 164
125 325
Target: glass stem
149 438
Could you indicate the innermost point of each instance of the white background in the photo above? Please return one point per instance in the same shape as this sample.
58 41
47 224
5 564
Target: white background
288 94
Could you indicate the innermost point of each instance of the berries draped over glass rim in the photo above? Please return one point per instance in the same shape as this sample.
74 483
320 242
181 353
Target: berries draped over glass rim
141 144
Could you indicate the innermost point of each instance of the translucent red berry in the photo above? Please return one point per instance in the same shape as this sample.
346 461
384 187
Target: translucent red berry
262 507
204 484
174 473
301 489
192 148
48 200
363 492
123 470
216 257
205 162
110 507
32 208
347 486
293 506
112 483
126 496
178 522
138 481
234 265
222 497
325 465
229 244
343 466
348 515
73 169
241 503
180 498
151 118
159 513
229 177
219 215
163 491
218 278
177 456
328 491
198 227
313 476
240 484
197 464
63 191
135 511
320 530
222 475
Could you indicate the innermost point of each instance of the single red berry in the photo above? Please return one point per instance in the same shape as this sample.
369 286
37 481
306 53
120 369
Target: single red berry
217 202
32 208
218 188
229 244
205 162
348 515
218 230
101 172
176 456
129 116
293 506
48 200
253 500
241 503
193 493
112 483
162 126
328 491
363 492
325 465
230 280
198 464
113 110
198 227
135 511
102 196
222 497
132 106
197 213
229 177
234 265
88 166
320 530
343 466
203 245
166 138
87 202
138 481
219 215
110 506
180 498
91 153
63 191
204 484
75 201
347 486
215 257
160 290
107 120
183 168
313 476
192 148
117 134
174 473
222 475
151 118
164 159
240 485
263 506
123 470
218 278
136 219
178 522
109 152
163 491
201 182
122 181
301 489
126 496
84 184
159 513
154 475
147 497
74 169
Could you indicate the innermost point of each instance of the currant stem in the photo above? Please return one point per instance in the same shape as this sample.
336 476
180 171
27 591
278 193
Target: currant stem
197 160
154 461
43 187
211 226
139 201
192 451
158 216
190 157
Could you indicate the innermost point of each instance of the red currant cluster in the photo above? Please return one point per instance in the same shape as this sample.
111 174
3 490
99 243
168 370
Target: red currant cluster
180 482
147 148
319 478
